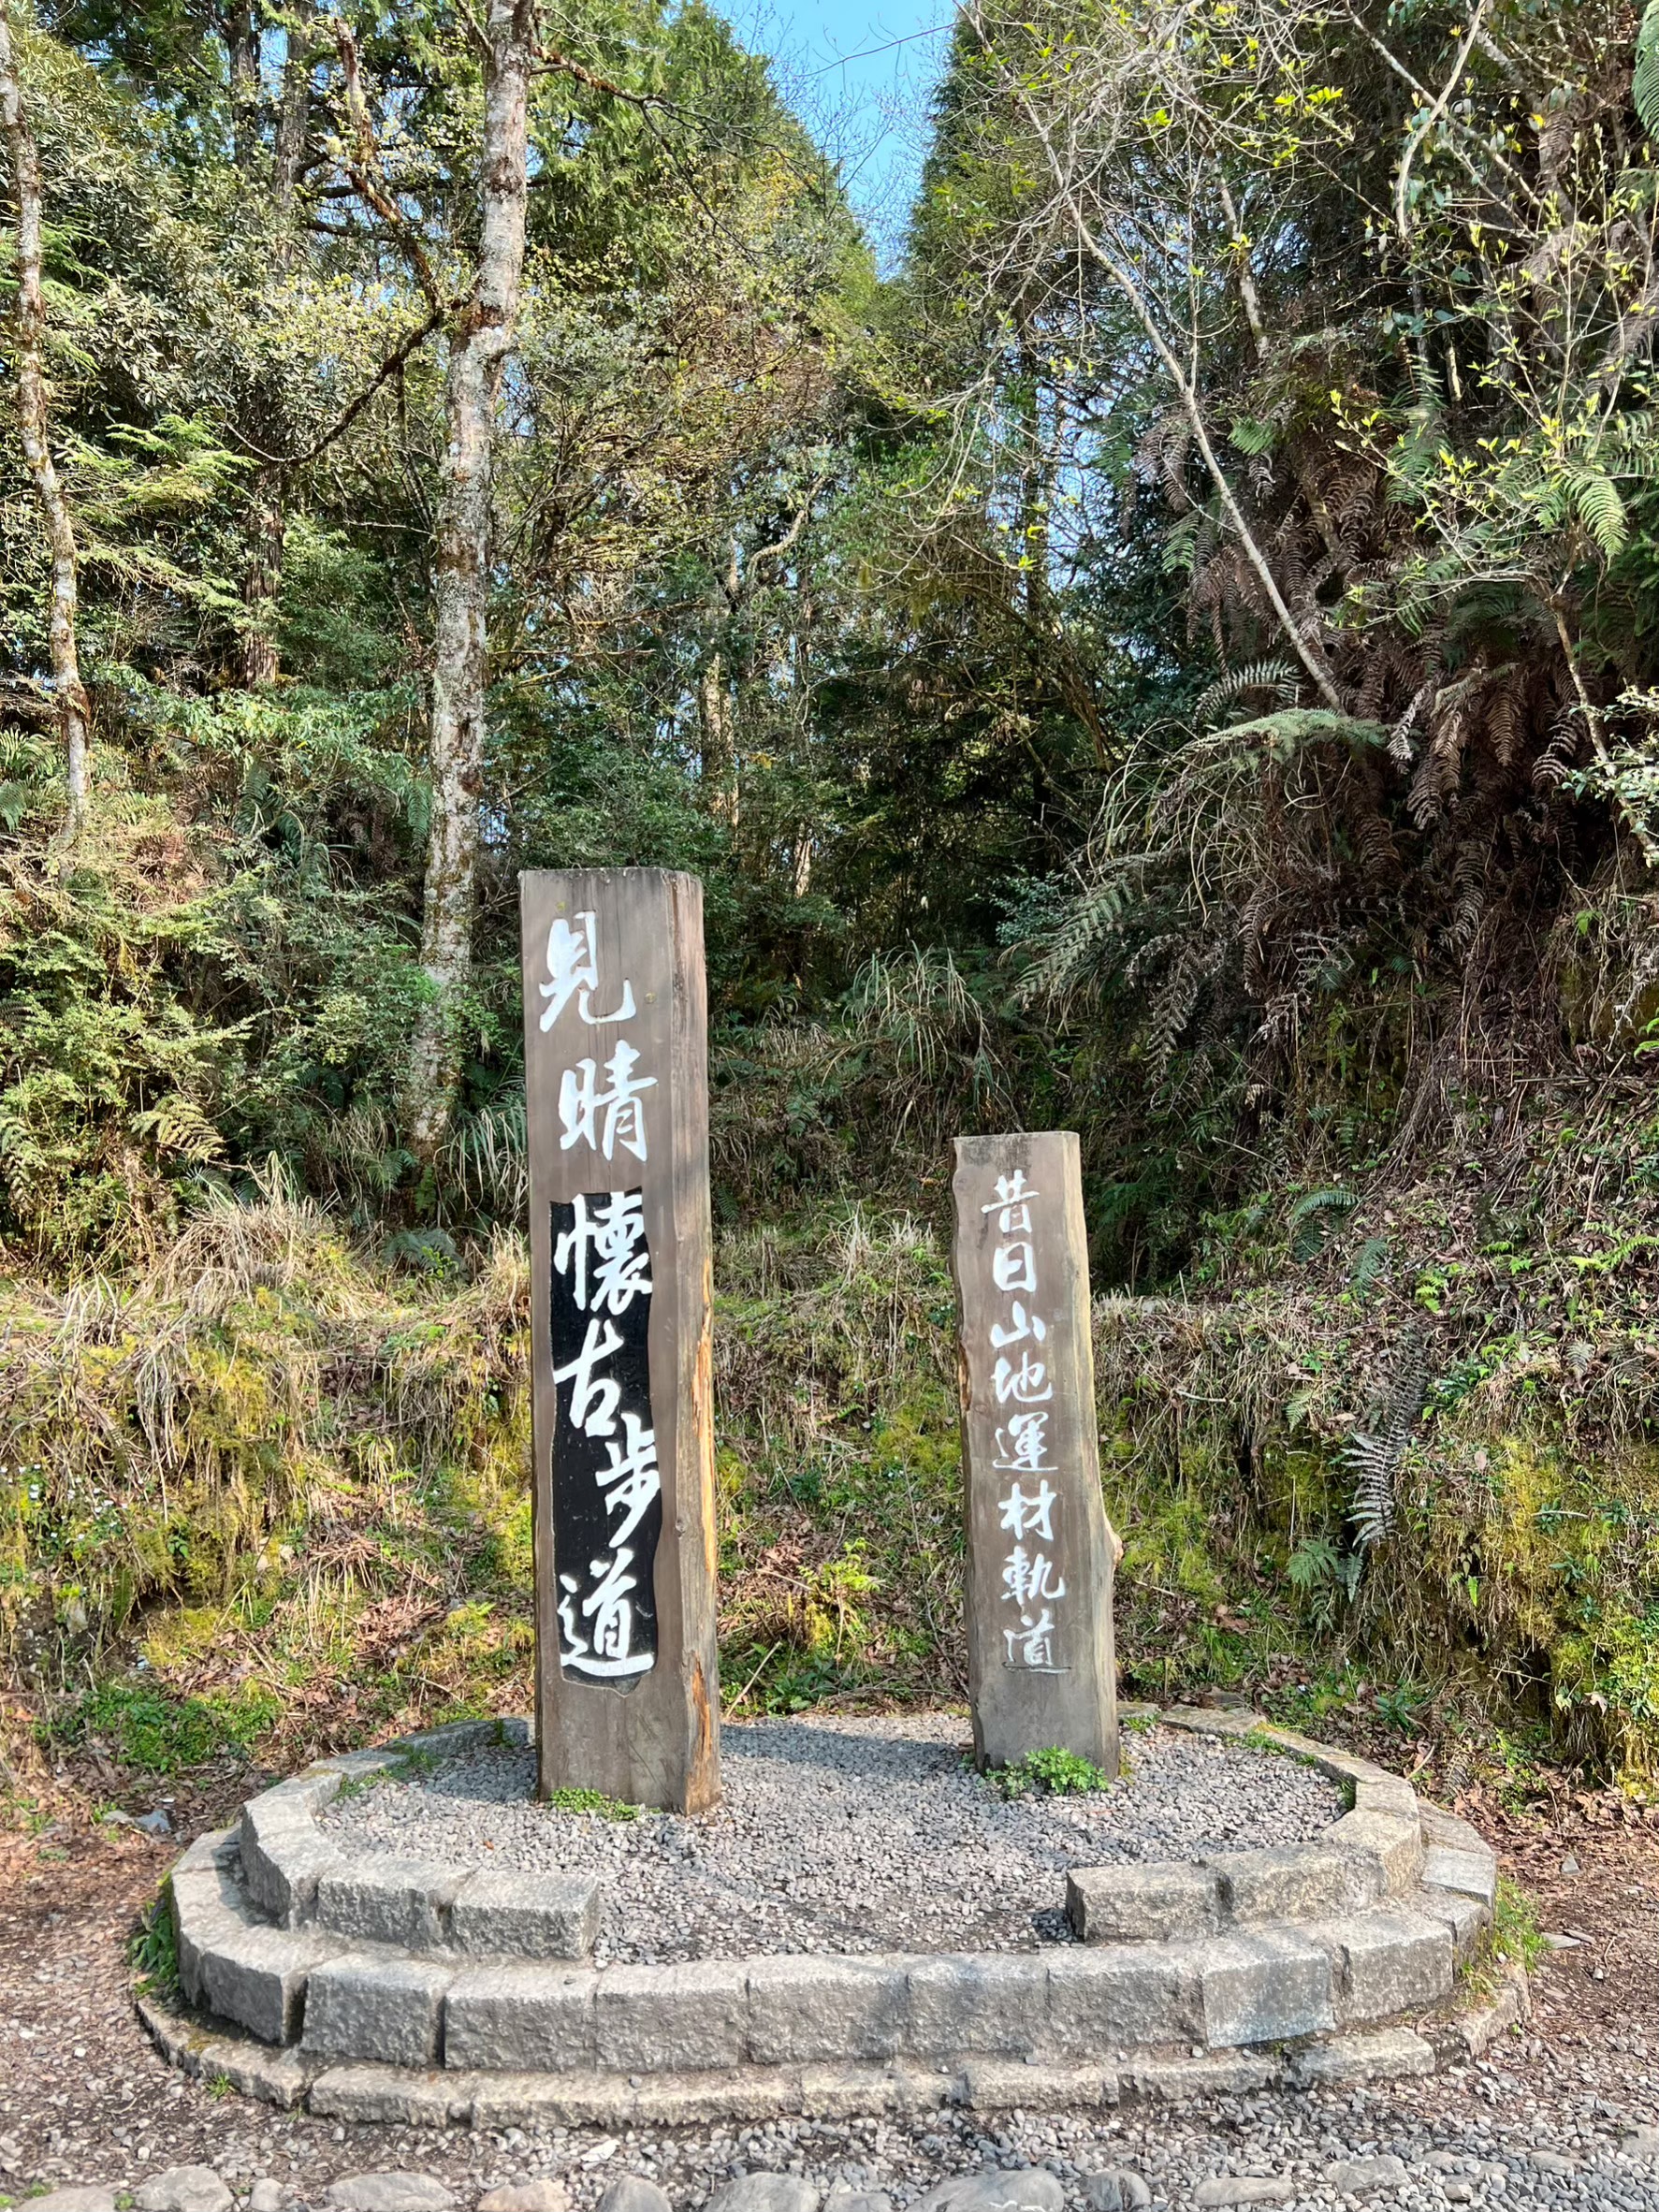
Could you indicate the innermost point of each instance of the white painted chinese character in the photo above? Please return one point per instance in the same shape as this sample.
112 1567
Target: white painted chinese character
1011 1202
1013 1267
593 1401
1021 1514
573 967
632 1479
614 1233
608 1605
1029 1382
1022 1443
573 1644
1032 1643
1023 1327
1027 1575
580 1103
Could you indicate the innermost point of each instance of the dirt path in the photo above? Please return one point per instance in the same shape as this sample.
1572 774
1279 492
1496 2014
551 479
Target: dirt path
84 2098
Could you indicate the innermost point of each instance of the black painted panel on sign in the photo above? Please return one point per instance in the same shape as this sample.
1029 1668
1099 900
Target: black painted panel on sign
607 1498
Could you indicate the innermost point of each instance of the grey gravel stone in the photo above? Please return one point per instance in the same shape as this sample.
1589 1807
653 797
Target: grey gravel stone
765 2193
1027 2189
544 2195
1244 2188
81 2197
843 2199
1115 2188
1551 2161
268 2195
389 2192
184 2189
1641 2143
926 1856
632 2192
1356 2178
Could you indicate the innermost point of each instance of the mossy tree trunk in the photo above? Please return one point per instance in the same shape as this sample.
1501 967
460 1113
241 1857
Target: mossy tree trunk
481 337
74 711
268 504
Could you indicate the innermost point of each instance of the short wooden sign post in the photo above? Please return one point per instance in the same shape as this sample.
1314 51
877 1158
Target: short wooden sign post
616 1060
1041 1555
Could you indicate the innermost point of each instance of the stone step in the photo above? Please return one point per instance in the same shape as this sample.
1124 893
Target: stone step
231 1963
491 2099
296 1876
1064 2004
356 2002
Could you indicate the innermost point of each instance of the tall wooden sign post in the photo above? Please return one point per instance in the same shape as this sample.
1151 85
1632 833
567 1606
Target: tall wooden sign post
616 1059
1041 1554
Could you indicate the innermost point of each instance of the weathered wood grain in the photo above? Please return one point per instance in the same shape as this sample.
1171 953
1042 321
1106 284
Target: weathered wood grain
651 1738
1041 1555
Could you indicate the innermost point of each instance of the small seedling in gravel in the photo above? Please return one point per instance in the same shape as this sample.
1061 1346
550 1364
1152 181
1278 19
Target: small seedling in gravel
219 2085
1054 1771
593 1802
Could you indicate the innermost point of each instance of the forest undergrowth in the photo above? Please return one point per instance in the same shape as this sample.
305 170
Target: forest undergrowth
270 1494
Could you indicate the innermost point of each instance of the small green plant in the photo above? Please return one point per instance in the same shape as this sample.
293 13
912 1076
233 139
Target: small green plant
1325 1580
1513 1937
153 1953
593 1802
1050 1772
1402 1706
219 2085
1515 1930
149 1727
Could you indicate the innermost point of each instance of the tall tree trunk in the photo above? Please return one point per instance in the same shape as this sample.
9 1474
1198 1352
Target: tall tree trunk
268 522
719 744
480 338
293 128
241 37
74 713
1034 486
268 502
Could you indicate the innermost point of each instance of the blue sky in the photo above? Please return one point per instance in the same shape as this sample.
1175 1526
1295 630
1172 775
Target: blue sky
859 73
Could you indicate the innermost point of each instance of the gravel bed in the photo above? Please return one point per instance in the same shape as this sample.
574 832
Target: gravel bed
846 1835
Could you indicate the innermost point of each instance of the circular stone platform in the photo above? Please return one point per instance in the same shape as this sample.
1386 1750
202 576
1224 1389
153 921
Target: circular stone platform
844 1835
863 1928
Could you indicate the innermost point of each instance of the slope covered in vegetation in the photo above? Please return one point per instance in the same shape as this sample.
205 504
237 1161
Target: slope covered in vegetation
1175 662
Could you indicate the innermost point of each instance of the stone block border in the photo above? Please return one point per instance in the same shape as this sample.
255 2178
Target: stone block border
404 1984
297 1877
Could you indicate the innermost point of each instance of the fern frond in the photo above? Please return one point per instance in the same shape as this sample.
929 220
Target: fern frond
1644 85
1597 501
1276 677
1374 1460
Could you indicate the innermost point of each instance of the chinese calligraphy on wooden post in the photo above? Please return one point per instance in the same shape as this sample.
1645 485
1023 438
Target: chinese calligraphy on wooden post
1041 1554
617 1102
